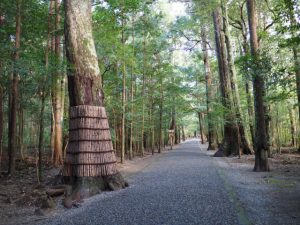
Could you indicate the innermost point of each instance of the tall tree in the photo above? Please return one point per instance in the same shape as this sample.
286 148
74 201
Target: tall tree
231 140
244 143
260 145
209 92
58 88
12 125
90 163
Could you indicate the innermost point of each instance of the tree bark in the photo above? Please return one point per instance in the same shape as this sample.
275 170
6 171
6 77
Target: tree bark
58 87
123 90
201 127
244 143
132 95
1 122
1 97
293 127
20 129
143 93
161 116
183 134
90 164
261 159
247 83
41 135
230 143
12 125
209 92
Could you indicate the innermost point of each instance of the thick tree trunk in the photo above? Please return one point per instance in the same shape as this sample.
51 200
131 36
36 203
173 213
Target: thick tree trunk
244 143
230 143
12 125
261 159
90 164
209 93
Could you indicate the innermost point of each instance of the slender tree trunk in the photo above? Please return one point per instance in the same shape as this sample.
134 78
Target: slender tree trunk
291 7
57 90
1 97
230 141
297 72
250 109
132 95
90 163
123 93
152 123
209 92
143 93
41 136
247 83
293 127
261 159
244 143
20 129
160 145
12 125
1 122
201 127
183 134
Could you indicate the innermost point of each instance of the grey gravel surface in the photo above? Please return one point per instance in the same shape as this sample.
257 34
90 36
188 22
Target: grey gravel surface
182 187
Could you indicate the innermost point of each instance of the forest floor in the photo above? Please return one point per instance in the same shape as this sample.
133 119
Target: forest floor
22 197
259 197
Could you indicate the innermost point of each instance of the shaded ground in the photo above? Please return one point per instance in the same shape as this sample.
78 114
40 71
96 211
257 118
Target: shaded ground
266 198
184 186
21 197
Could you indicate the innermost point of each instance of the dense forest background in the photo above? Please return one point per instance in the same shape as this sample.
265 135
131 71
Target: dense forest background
158 74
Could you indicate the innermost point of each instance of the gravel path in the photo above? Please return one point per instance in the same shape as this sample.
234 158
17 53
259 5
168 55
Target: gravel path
181 187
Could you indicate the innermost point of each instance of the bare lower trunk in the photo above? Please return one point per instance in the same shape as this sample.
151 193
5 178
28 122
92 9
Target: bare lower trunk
90 164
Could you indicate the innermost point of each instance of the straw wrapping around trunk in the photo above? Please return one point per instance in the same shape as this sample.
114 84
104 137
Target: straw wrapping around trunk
90 150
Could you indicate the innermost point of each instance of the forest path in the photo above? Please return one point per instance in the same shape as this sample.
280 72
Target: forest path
183 186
